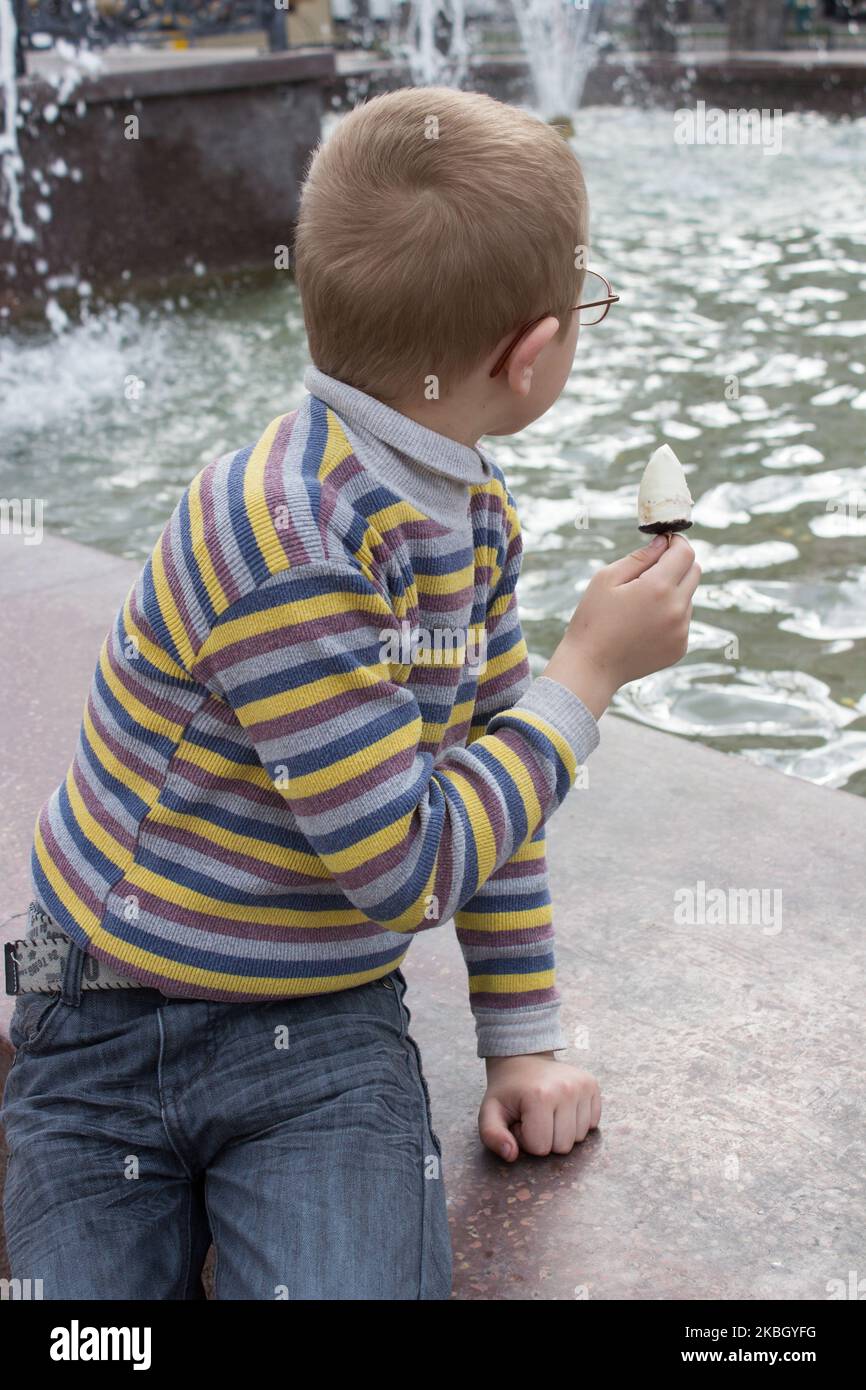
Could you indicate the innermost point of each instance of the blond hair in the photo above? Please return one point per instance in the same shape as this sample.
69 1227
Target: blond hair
432 223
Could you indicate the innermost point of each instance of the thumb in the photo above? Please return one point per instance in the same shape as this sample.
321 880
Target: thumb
633 566
494 1131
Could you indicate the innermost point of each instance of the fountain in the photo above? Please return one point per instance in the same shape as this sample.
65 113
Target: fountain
559 39
11 163
434 43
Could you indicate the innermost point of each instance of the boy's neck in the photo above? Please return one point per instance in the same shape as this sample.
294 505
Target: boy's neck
454 419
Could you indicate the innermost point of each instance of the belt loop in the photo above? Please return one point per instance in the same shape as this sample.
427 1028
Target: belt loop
73 970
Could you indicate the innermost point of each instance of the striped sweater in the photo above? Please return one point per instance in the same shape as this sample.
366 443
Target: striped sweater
312 732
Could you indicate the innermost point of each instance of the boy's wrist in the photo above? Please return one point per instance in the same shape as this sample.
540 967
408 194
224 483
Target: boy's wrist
572 667
495 1064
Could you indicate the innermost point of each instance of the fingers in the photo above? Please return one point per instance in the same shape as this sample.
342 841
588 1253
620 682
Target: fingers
595 1109
547 1127
493 1127
632 566
536 1126
565 1128
689 584
676 561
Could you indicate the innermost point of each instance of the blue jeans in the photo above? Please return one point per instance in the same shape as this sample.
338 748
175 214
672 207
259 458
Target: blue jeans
295 1135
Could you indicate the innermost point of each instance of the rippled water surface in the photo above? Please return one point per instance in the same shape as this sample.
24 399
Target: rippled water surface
741 339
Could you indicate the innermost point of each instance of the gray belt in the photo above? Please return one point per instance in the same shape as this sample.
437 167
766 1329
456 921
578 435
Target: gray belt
35 964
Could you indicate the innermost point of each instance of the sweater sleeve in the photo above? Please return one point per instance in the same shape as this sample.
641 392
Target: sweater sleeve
303 662
506 930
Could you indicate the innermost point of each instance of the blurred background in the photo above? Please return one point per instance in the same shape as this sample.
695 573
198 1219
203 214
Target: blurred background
152 155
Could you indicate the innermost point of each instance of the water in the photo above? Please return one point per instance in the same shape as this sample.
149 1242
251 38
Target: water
731 264
12 223
558 40
434 41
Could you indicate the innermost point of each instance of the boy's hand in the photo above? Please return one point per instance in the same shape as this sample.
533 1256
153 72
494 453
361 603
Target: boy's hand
633 619
536 1104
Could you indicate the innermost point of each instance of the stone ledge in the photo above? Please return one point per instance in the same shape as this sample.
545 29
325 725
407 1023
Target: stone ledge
729 1156
156 77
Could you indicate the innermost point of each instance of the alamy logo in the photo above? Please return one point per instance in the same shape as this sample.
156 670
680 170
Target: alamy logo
710 125
20 1290
22 516
854 1289
735 907
77 1343
437 646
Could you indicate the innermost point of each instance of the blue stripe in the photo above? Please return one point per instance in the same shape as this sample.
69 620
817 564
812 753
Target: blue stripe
505 782
151 614
241 529
469 885
293 678
489 904
104 866
191 567
296 900
129 800
285 835
379 726
514 965
123 722
223 962
510 719
317 439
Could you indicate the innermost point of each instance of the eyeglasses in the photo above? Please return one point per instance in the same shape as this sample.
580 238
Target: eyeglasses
593 309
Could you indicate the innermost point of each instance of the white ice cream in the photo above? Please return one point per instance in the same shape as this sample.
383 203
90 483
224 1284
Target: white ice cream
664 496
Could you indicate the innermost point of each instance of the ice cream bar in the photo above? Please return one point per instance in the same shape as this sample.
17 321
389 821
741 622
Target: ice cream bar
664 502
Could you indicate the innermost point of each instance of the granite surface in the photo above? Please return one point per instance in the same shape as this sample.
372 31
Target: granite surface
730 1158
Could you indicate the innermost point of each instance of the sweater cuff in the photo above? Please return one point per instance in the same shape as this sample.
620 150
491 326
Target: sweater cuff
518 1031
549 700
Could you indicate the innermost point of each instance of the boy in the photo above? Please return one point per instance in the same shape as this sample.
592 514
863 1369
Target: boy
312 733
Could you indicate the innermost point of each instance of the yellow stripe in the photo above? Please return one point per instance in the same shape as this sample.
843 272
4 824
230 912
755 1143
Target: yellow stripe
281 856
337 446
502 922
157 656
256 501
511 984
434 733
96 834
201 553
137 958
500 605
482 831
70 899
165 601
529 850
148 791
146 718
519 774
221 767
315 692
563 748
158 886
287 615
498 665
354 764
393 516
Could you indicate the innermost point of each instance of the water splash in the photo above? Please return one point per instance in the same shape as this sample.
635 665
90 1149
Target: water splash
435 43
560 42
11 163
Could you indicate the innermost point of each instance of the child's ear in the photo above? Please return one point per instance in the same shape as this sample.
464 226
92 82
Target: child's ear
525 355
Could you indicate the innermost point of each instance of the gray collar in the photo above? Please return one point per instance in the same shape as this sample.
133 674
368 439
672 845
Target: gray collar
393 447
